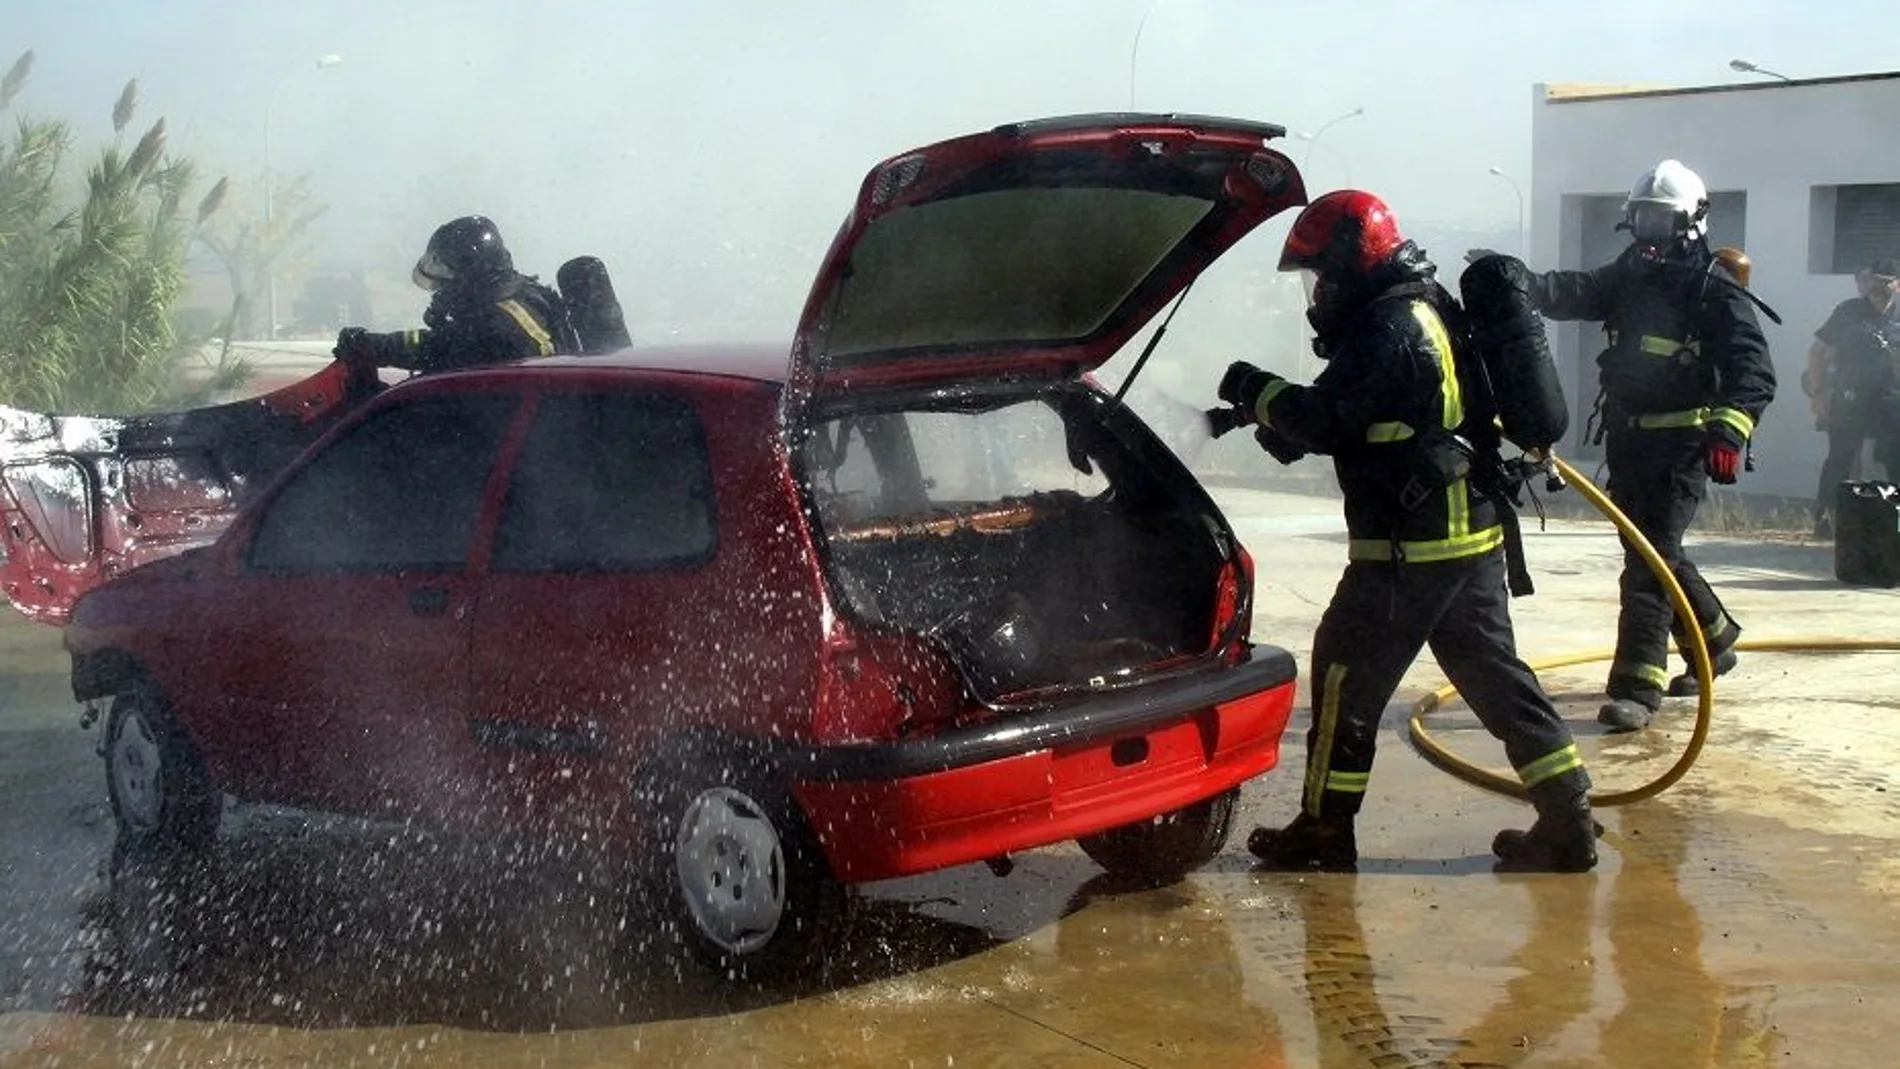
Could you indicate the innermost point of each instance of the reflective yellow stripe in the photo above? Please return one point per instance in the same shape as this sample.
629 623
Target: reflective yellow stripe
1648 673
1466 545
1735 418
1318 762
529 326
1273 390
1689 417
1656 346
1554 763
1435 332
1697 417
1456 542
1348 782
1710 631
1388 432
1458 512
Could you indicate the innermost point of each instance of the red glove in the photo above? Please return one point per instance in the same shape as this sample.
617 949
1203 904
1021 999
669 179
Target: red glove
1723 459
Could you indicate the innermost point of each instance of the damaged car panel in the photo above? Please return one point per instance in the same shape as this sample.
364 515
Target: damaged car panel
87 498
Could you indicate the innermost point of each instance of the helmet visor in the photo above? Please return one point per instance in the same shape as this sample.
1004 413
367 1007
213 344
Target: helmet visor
1309 282
430 272
1651 221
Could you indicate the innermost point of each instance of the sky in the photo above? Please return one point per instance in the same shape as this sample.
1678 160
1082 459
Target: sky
708 150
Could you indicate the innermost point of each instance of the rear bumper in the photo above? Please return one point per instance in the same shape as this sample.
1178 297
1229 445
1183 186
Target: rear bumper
1045 777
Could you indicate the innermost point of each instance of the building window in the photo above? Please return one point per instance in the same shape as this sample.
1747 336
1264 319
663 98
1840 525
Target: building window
1851 226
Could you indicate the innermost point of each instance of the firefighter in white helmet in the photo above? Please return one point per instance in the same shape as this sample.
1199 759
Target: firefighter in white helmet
1684 379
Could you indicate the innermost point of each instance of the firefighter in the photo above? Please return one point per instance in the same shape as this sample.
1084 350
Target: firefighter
1684 380
1851 383
482 311
1425 562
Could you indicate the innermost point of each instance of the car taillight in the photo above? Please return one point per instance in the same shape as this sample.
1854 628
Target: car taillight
1233 609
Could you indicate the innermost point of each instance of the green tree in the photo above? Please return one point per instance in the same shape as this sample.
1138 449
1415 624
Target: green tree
90 272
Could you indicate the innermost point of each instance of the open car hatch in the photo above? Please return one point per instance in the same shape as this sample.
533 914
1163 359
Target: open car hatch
1034 249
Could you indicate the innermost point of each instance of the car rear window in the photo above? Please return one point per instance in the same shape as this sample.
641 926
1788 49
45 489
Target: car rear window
401 491
607 482
887 464
1017 265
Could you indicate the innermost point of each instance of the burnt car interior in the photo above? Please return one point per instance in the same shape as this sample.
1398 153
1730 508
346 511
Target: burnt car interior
1040 546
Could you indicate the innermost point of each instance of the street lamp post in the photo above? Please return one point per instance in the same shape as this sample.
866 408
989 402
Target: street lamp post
1749 68
1135 48
1522 251
1312 142
1301 348
324 62
1313 138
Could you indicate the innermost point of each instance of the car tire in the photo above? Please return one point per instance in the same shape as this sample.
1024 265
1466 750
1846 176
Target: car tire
161 796
1165 848
742 877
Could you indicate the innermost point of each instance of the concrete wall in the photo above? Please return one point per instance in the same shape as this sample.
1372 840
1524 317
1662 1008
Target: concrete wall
1771 144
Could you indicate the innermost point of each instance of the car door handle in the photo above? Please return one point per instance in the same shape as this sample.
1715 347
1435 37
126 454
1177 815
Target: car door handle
429 600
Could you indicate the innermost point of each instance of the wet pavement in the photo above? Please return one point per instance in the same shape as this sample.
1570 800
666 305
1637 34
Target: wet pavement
1748 916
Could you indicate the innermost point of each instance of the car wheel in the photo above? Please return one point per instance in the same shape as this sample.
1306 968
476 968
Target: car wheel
746 881
1165 848
160 793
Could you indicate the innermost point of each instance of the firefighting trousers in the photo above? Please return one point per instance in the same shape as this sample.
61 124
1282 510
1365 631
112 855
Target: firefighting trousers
1381 616
1658 481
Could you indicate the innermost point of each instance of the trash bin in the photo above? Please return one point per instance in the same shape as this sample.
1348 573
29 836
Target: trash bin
1867 534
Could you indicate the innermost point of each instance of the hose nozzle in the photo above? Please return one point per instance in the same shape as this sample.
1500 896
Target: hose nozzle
1222 420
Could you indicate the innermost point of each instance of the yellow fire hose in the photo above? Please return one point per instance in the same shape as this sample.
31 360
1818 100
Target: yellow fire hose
1698 651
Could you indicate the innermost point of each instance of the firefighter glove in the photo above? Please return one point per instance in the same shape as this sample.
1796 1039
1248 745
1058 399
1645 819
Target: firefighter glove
1243 384
354 345
1277 445
1722 453
367 348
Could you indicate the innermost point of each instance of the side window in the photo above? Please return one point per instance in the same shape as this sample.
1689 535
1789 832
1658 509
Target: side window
607 482
403 491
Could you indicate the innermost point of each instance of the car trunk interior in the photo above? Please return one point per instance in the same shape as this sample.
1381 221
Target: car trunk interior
1042 538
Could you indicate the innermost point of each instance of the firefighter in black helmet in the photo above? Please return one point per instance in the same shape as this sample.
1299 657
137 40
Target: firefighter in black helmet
483 311
1425 562
1685 377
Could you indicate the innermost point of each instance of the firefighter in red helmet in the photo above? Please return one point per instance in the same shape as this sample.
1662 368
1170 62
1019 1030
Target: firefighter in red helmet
1425 564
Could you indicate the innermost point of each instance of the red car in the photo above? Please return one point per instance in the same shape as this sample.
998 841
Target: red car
920 596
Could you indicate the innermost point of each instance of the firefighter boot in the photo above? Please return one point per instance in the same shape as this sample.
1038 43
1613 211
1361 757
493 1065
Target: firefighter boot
1309 842
1624 714
1687 685
1564 838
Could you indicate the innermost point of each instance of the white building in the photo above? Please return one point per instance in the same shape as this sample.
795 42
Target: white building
1804 175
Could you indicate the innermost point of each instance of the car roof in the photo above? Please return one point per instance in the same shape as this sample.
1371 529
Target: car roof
755 361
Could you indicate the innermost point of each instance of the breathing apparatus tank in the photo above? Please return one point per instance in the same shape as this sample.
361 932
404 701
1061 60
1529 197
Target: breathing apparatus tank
592 307
1505 335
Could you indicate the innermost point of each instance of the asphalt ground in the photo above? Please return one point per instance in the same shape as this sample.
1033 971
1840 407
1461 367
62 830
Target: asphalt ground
1747 916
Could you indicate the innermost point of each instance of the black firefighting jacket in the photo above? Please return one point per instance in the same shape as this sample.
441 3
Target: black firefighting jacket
1385 409
1685 348
514 318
